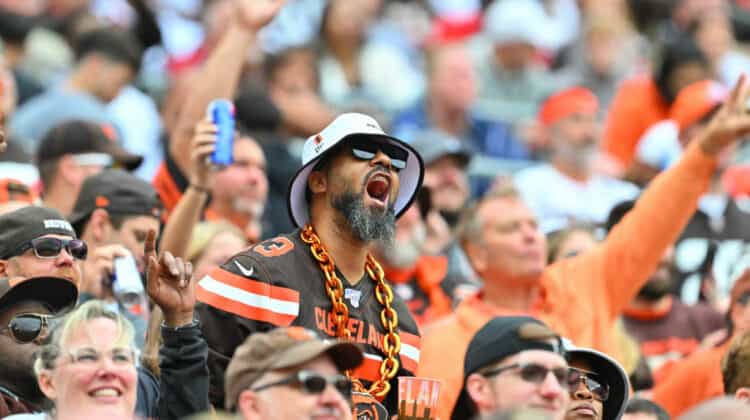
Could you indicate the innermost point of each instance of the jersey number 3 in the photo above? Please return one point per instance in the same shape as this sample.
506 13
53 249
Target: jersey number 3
275 247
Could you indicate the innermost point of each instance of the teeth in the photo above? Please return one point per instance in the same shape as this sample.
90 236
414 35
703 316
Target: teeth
106 392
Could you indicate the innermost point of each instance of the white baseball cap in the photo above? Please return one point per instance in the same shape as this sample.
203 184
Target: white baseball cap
344 127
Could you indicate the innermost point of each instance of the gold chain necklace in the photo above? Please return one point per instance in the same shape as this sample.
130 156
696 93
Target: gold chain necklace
388 316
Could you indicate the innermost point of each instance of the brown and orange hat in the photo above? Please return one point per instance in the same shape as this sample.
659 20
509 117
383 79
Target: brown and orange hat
57 293
279 349
567 102
118 192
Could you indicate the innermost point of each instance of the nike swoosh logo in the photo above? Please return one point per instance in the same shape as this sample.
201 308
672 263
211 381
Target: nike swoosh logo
245 271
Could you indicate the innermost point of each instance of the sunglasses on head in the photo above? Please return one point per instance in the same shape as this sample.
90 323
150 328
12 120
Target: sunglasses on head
25 328
536 373
365 148
598 388
313 383
51 247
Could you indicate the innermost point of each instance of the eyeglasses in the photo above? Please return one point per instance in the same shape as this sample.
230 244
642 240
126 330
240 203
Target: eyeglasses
536 373
314 383
89 356
25 328
598 388
366 148
51 247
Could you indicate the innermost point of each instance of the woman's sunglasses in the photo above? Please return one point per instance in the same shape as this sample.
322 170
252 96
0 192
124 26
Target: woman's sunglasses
25 328
366 148
599 389
51 247
314 383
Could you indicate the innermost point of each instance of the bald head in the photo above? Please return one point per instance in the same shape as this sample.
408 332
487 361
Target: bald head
719 408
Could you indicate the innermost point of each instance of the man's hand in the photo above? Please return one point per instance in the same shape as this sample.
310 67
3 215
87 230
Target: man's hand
202 146
255 14
169 282
730 123
98 268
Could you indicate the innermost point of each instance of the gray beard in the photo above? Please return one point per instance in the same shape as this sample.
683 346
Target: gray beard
365 224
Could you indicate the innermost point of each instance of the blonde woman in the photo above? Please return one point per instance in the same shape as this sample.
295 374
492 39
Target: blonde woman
88 368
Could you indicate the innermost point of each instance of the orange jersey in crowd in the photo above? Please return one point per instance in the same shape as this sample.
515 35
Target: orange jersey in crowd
691 381
581 297
637 105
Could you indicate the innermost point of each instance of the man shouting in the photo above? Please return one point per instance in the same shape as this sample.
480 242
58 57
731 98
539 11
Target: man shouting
355 181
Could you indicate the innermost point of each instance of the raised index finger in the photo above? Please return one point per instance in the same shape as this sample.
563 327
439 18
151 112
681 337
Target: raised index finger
149 247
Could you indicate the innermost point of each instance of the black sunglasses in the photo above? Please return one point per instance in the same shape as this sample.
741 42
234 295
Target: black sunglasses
25 328
598 388
51 247
314 383
366 148
536 373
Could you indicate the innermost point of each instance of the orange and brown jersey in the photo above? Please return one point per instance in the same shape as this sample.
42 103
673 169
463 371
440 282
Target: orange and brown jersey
278 283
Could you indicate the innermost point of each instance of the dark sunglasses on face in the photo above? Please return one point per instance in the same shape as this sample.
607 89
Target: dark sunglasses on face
313 383
51 247
537 374
596 387
25 328
366 148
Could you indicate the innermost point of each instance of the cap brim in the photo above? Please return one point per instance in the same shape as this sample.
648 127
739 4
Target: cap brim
57 293
410 180
619 385
126 159
343 354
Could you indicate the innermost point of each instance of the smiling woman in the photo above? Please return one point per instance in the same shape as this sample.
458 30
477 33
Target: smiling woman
88 367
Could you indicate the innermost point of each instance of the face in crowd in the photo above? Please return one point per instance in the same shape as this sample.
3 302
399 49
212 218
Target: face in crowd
313 390
361 183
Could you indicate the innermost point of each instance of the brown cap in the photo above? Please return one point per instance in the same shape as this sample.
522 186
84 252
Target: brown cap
279 349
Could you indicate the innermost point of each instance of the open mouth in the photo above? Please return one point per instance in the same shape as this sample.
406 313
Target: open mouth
378 188
106 392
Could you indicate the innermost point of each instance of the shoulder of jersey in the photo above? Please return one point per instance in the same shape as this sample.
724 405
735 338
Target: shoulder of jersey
283 252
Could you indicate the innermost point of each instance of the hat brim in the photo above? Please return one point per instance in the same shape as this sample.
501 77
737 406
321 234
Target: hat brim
124 158
344 355
619 385
410 179
57 293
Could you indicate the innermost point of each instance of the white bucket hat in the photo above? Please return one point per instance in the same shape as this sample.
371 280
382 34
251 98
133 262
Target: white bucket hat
344 127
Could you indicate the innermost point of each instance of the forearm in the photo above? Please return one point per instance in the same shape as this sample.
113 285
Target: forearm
218 78
179 228
184 372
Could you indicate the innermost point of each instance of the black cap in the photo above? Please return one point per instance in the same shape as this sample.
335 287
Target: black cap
435 144
82 137
57 294
118 192
19 227
499 338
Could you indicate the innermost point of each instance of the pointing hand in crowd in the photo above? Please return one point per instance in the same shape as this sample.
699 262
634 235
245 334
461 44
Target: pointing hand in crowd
254 14
730 123
170 284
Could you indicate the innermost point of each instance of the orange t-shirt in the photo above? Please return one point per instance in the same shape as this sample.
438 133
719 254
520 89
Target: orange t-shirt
692 380
581 297
637 105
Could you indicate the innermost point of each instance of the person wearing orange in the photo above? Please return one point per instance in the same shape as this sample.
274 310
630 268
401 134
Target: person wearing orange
698 377
579 297
644 100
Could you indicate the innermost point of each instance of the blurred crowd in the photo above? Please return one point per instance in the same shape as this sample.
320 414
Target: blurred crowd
563 188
